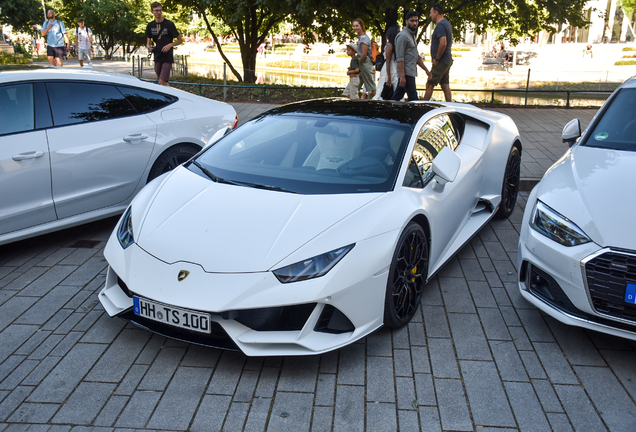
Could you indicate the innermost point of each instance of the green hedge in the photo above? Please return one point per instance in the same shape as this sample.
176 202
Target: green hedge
625 63
629 49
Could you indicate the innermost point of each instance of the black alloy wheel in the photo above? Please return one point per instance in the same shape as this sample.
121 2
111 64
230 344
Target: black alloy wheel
172 158
407 277
511 181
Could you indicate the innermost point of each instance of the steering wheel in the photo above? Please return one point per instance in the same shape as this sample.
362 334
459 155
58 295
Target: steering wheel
380 154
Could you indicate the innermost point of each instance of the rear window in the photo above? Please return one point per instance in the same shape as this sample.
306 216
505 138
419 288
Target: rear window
617 127
146 101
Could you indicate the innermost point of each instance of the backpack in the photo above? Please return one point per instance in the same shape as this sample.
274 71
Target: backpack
374 51
379 62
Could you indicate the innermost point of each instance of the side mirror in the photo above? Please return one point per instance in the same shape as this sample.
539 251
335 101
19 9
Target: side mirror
446 166
571 132
217 136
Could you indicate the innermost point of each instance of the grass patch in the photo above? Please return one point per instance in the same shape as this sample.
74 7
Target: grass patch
273 93
625 63
629 49
460 49
629 56
5 67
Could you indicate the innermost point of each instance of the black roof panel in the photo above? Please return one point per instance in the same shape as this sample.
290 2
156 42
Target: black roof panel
401 112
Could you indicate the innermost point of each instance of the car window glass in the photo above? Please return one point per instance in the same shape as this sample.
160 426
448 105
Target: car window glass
16 108
617 127
266 133
436 134
73 102
146 101
413 178
313 154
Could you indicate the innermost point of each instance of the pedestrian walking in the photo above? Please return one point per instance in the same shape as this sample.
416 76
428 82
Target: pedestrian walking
56 38
407 58
389 73
352 89
366 65
83 42
162 32
441 42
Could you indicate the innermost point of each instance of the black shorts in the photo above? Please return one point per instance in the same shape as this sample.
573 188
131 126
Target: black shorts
55 52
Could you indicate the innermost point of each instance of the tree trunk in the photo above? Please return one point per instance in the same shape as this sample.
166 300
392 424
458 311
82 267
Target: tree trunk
248 55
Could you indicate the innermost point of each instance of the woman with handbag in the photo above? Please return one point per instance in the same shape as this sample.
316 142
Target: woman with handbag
389 76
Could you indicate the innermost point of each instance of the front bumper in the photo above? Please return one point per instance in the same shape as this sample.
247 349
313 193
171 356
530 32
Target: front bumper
254 312
559 281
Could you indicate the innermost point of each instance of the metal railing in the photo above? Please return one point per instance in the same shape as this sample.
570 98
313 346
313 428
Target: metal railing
179 67
198 87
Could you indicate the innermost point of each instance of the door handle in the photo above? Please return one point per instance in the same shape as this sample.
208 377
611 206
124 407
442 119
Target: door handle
28 155
135 137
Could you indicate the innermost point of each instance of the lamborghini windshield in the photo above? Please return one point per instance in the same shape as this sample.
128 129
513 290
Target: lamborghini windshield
308 154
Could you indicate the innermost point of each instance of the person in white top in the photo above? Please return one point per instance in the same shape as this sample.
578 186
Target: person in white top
83 42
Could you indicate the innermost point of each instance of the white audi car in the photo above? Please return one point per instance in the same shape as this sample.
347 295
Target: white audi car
577 248
310 226
75 146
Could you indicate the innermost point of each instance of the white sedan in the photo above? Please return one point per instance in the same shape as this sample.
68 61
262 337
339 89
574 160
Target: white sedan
312 225
577 248
76 146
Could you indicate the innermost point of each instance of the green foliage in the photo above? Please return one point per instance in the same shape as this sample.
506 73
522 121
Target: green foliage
629 49
629 56
25 49
21 14
250 22
272 94
625 63
628 5
13 59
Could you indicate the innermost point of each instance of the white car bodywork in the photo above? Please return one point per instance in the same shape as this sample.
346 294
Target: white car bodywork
585 284
230 238
55 177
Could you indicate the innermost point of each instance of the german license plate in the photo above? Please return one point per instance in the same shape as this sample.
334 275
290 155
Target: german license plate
173 316
630 293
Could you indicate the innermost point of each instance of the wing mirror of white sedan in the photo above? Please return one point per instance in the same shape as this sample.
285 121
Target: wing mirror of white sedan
446 166
217 136
571 132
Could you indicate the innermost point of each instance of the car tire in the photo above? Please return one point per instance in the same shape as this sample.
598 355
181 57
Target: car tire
510 188
407 277
172 158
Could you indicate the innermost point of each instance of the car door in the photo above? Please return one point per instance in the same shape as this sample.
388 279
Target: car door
449 206
25 172
100 146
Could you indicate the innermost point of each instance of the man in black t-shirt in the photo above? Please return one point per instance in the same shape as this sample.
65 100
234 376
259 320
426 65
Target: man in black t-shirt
162 31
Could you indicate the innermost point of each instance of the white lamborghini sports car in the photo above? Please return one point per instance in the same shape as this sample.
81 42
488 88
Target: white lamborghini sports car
310 226
577 245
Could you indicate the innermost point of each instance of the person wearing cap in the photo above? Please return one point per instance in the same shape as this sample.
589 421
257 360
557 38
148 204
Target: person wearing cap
351 91
83 42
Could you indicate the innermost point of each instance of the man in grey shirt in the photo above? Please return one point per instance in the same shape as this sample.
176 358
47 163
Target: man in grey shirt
441 42
408 58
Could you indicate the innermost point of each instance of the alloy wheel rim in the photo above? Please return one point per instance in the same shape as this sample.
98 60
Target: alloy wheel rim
511 183
409 275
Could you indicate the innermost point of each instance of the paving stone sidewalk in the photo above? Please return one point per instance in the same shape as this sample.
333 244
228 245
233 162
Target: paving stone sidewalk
475 357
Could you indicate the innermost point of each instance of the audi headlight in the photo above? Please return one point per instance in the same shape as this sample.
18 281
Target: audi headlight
556 227
312 267
125 229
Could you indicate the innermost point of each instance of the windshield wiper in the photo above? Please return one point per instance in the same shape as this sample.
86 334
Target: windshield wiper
218 179
213 177
266 187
